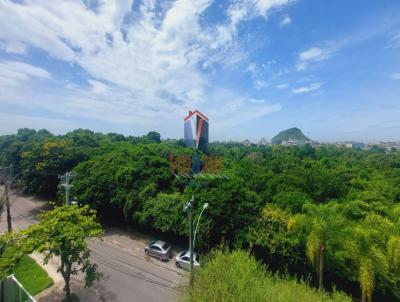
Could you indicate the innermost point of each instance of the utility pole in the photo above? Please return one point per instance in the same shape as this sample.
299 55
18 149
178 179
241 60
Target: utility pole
6 189
192 238
9 224
189 208
67 185
8 210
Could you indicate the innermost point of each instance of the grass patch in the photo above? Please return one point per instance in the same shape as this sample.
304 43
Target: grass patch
32 276
235 277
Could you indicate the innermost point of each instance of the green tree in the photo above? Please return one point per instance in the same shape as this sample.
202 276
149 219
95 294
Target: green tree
393 252
236 276
369 248
11 250
292 201
323 224
154 136
63 232
281 245
164 213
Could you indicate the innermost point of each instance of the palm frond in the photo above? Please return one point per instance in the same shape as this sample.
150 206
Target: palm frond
313 244
393 252
366 277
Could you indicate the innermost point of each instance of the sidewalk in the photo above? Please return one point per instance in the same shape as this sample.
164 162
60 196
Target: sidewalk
51 269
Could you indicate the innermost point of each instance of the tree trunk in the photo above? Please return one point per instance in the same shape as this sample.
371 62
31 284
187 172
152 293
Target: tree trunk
9 225
65 270
363 298
67 289
321 268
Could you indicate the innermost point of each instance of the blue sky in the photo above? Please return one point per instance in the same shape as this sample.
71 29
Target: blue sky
254 67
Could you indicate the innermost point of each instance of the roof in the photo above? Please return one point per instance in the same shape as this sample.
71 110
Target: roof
187 254
160 243
191 113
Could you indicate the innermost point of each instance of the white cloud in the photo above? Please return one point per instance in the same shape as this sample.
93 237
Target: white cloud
244 10
396 76
282 86
98 87
149 59
240 111
315 54
309 88
260 84
394 41
13 73
286 20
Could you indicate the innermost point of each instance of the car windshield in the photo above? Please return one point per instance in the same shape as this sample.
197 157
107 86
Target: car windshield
165 246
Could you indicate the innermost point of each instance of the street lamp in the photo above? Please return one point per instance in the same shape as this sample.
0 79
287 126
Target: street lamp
205 206
189 207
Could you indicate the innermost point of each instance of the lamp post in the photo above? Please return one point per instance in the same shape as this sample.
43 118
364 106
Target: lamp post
205 206
189 207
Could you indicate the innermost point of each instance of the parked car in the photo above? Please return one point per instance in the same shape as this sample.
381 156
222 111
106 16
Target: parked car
159 249
182 260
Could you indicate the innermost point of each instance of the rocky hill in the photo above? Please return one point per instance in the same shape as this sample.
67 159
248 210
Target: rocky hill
292 134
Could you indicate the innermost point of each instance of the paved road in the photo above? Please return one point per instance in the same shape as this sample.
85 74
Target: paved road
129 275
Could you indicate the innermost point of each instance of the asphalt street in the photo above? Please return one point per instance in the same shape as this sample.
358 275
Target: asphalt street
128 274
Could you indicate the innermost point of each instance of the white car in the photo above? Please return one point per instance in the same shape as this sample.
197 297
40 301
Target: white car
182 260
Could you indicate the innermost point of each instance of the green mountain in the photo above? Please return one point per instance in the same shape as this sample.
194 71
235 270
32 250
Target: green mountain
292 134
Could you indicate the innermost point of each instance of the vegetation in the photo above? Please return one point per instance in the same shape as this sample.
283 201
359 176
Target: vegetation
63 232
12 249
325 214
32 277
237 277
294 134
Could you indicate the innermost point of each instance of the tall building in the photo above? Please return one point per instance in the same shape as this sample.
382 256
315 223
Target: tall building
196 130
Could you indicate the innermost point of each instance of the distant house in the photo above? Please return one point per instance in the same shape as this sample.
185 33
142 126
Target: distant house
288 143
263 142
294 142
196 130
246 142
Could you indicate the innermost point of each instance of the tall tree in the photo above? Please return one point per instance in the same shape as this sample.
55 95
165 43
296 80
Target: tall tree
323 224
64 232
154 136
374 248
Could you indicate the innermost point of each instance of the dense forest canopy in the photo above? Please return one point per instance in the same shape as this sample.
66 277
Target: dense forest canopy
294 208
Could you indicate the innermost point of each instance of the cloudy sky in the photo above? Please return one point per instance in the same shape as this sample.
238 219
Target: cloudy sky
254 67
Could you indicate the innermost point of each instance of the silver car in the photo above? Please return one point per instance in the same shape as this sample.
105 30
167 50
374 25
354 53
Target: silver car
183 260
159 249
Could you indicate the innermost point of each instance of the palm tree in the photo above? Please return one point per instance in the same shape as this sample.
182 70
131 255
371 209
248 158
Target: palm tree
366 247
393 253
323 225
